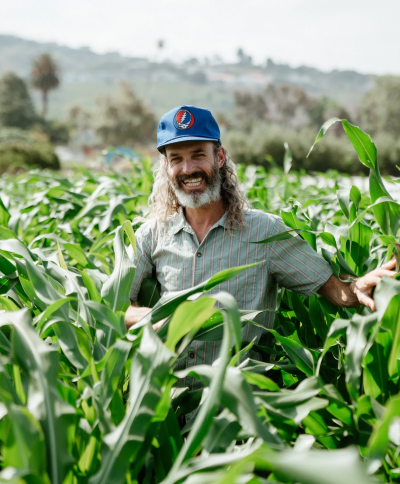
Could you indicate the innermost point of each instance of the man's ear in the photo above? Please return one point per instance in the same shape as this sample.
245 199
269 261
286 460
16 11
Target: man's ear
221 156
165 161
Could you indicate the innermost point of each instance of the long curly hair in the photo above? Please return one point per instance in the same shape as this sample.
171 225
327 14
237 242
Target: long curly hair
163 201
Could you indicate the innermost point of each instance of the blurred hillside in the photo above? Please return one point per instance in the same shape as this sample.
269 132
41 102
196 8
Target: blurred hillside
207 82
60 105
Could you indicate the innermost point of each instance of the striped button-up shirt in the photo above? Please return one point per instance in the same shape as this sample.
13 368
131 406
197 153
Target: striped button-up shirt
171 252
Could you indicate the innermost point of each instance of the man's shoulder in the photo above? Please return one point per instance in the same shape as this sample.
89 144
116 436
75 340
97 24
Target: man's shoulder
259 224
148 227
153 226
253 214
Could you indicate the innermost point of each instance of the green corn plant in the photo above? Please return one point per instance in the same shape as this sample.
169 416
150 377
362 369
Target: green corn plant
83 400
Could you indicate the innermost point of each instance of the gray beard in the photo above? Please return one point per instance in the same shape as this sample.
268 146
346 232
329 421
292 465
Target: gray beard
197 199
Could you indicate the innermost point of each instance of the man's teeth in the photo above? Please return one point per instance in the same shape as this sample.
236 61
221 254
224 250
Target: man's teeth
193 182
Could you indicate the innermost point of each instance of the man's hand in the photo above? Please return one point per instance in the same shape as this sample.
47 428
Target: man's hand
363 287
135 313
357 292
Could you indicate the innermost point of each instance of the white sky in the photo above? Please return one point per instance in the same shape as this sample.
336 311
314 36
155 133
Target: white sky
362 35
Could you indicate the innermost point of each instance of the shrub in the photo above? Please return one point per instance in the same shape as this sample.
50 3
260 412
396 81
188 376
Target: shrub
19 148
55 131
16 106
336 153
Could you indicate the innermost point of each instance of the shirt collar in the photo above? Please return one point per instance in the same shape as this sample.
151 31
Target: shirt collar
180 222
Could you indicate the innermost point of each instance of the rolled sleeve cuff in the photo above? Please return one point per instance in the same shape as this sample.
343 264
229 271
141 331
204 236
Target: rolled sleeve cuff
310 289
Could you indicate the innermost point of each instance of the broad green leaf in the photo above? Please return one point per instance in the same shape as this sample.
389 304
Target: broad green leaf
169 302
8 304
6 234
306 390
91 287
337 329
226 275
76 253
111 373
379 439
344 201
316 466
74 343
41 363
189 317
223 431
261 381
4 214
324 128
362 143
357 339
24 445
116 289
375 374
300 356
208 409
291 219
387 300
104 315
53 308
149 370
6 265
131 235
63 265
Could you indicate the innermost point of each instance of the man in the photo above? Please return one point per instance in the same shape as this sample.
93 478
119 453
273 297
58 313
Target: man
200 224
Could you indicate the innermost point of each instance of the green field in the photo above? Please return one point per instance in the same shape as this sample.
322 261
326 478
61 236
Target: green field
83 401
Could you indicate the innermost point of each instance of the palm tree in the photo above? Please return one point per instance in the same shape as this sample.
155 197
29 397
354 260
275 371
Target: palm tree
45 77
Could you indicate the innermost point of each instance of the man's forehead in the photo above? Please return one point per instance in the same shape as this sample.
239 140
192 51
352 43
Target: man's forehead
187 146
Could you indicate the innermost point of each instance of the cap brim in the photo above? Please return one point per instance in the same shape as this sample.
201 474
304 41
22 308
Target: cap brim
181 139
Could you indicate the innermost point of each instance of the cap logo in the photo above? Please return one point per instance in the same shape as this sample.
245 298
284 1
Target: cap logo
183 119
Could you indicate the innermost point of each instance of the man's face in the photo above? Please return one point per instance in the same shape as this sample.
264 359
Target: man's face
193 169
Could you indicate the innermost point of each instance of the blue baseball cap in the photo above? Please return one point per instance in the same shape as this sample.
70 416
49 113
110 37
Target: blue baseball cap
187 123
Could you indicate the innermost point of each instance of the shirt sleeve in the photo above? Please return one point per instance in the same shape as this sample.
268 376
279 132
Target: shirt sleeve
295 264
142 260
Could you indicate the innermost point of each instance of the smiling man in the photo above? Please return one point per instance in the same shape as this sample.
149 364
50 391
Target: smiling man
200 224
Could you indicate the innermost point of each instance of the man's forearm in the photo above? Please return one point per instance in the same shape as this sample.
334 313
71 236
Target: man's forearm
339 293
134 314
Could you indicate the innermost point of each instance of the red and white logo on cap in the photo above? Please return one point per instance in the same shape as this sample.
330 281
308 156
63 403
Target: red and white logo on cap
183 119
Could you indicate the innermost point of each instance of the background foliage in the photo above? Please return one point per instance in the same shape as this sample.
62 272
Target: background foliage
97 101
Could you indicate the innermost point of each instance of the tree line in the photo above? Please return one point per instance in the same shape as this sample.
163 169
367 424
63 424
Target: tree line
255 134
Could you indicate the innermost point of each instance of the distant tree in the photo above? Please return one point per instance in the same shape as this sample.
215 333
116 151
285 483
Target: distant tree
287 105
124 119
243 57
240 54
198 77
380 107
251 108
16 106
45 77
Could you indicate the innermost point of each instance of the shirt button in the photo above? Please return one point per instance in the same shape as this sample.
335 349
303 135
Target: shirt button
191 355
198 254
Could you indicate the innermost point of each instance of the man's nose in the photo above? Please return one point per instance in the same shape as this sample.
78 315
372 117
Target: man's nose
188 166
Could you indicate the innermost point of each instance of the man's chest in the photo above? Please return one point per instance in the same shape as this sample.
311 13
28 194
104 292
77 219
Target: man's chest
181 262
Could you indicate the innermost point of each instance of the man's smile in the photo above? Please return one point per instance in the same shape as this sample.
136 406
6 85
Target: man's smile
193 182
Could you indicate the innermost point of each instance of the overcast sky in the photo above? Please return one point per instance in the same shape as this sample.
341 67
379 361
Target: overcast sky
362 35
